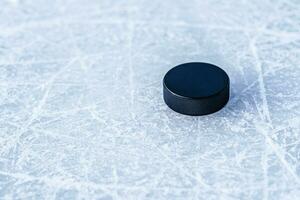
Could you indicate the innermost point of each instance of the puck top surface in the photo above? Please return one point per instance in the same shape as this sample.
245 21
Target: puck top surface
196 80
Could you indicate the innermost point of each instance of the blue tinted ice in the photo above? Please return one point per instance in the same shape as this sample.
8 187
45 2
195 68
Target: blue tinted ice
81 108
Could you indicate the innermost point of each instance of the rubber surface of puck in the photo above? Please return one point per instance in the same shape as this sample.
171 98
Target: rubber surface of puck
196 88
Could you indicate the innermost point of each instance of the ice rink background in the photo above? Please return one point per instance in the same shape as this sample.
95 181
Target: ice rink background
81 108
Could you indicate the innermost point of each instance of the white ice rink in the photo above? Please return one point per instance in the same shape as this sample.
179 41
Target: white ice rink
81 108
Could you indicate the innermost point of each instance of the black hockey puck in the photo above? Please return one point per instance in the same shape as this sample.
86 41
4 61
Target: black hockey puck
196 88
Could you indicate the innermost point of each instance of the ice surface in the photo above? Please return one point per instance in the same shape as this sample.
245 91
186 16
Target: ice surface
81 108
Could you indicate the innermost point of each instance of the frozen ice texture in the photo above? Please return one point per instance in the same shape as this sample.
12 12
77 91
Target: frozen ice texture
81 108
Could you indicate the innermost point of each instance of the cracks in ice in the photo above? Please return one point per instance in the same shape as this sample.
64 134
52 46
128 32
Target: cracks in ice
265 131
263 125
36 110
